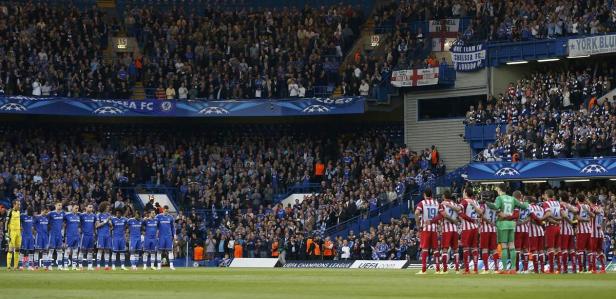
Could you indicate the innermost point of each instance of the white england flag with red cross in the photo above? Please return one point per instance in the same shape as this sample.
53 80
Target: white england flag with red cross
415 77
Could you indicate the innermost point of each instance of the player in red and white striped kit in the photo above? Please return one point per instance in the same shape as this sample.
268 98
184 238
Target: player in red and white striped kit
567 241
448 212
597 235
425 213
522 241
583 232
536 234
553 216
470 233
487 231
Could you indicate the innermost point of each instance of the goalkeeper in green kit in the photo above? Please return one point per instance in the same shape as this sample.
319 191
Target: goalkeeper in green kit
505 224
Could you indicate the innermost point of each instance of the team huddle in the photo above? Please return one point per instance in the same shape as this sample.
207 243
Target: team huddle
76 237
565 234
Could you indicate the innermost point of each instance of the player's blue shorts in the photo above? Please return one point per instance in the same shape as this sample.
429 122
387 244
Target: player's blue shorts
118 244
27 242
135 245
87 242
42 241
72 241
103 242
165 243
55 241
149 244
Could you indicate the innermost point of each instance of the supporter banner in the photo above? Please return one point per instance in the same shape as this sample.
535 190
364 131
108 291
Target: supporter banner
468 58
592 45
543 169
416 77
253 263
446 25
180 108
367 264
318 264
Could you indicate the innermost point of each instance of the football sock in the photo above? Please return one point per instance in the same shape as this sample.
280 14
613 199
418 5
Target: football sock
465 258
514 259
456 261
475 260
504 257
424 260
9 259
444 258
496 261
99 258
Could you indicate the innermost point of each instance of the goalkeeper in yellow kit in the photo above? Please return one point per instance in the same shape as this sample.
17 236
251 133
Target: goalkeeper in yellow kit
12 229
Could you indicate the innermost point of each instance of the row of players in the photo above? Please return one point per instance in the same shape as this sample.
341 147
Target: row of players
72 235
563 228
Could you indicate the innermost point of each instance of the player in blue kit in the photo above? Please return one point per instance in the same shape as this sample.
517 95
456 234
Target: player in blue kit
72 235
166 236
103 231
41 226
118 241
135 244
56 225
88 222
27 239
150 240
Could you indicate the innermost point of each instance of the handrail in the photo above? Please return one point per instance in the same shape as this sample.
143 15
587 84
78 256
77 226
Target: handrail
315 91
378 211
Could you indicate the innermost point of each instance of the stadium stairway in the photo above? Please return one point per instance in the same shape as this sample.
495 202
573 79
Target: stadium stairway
366 32
394 209
138 91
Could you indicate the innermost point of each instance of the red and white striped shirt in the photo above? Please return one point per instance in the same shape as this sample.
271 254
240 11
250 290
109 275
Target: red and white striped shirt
536 230
566 228
448 226
523 228
584 225
489 217
428 209
597 224
554 207
469 210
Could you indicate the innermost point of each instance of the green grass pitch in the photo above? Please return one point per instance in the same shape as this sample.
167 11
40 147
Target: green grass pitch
299 283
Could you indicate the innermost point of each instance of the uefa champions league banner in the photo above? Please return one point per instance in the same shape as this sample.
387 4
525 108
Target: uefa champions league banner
592 45
180 108
468 58
542 169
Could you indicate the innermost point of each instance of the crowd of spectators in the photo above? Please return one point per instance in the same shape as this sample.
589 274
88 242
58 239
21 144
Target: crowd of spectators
244 53
552 114
226 179
365 177
48 50
396 240
505 20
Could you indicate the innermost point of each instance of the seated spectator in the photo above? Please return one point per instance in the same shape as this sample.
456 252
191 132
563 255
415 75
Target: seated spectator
551 115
